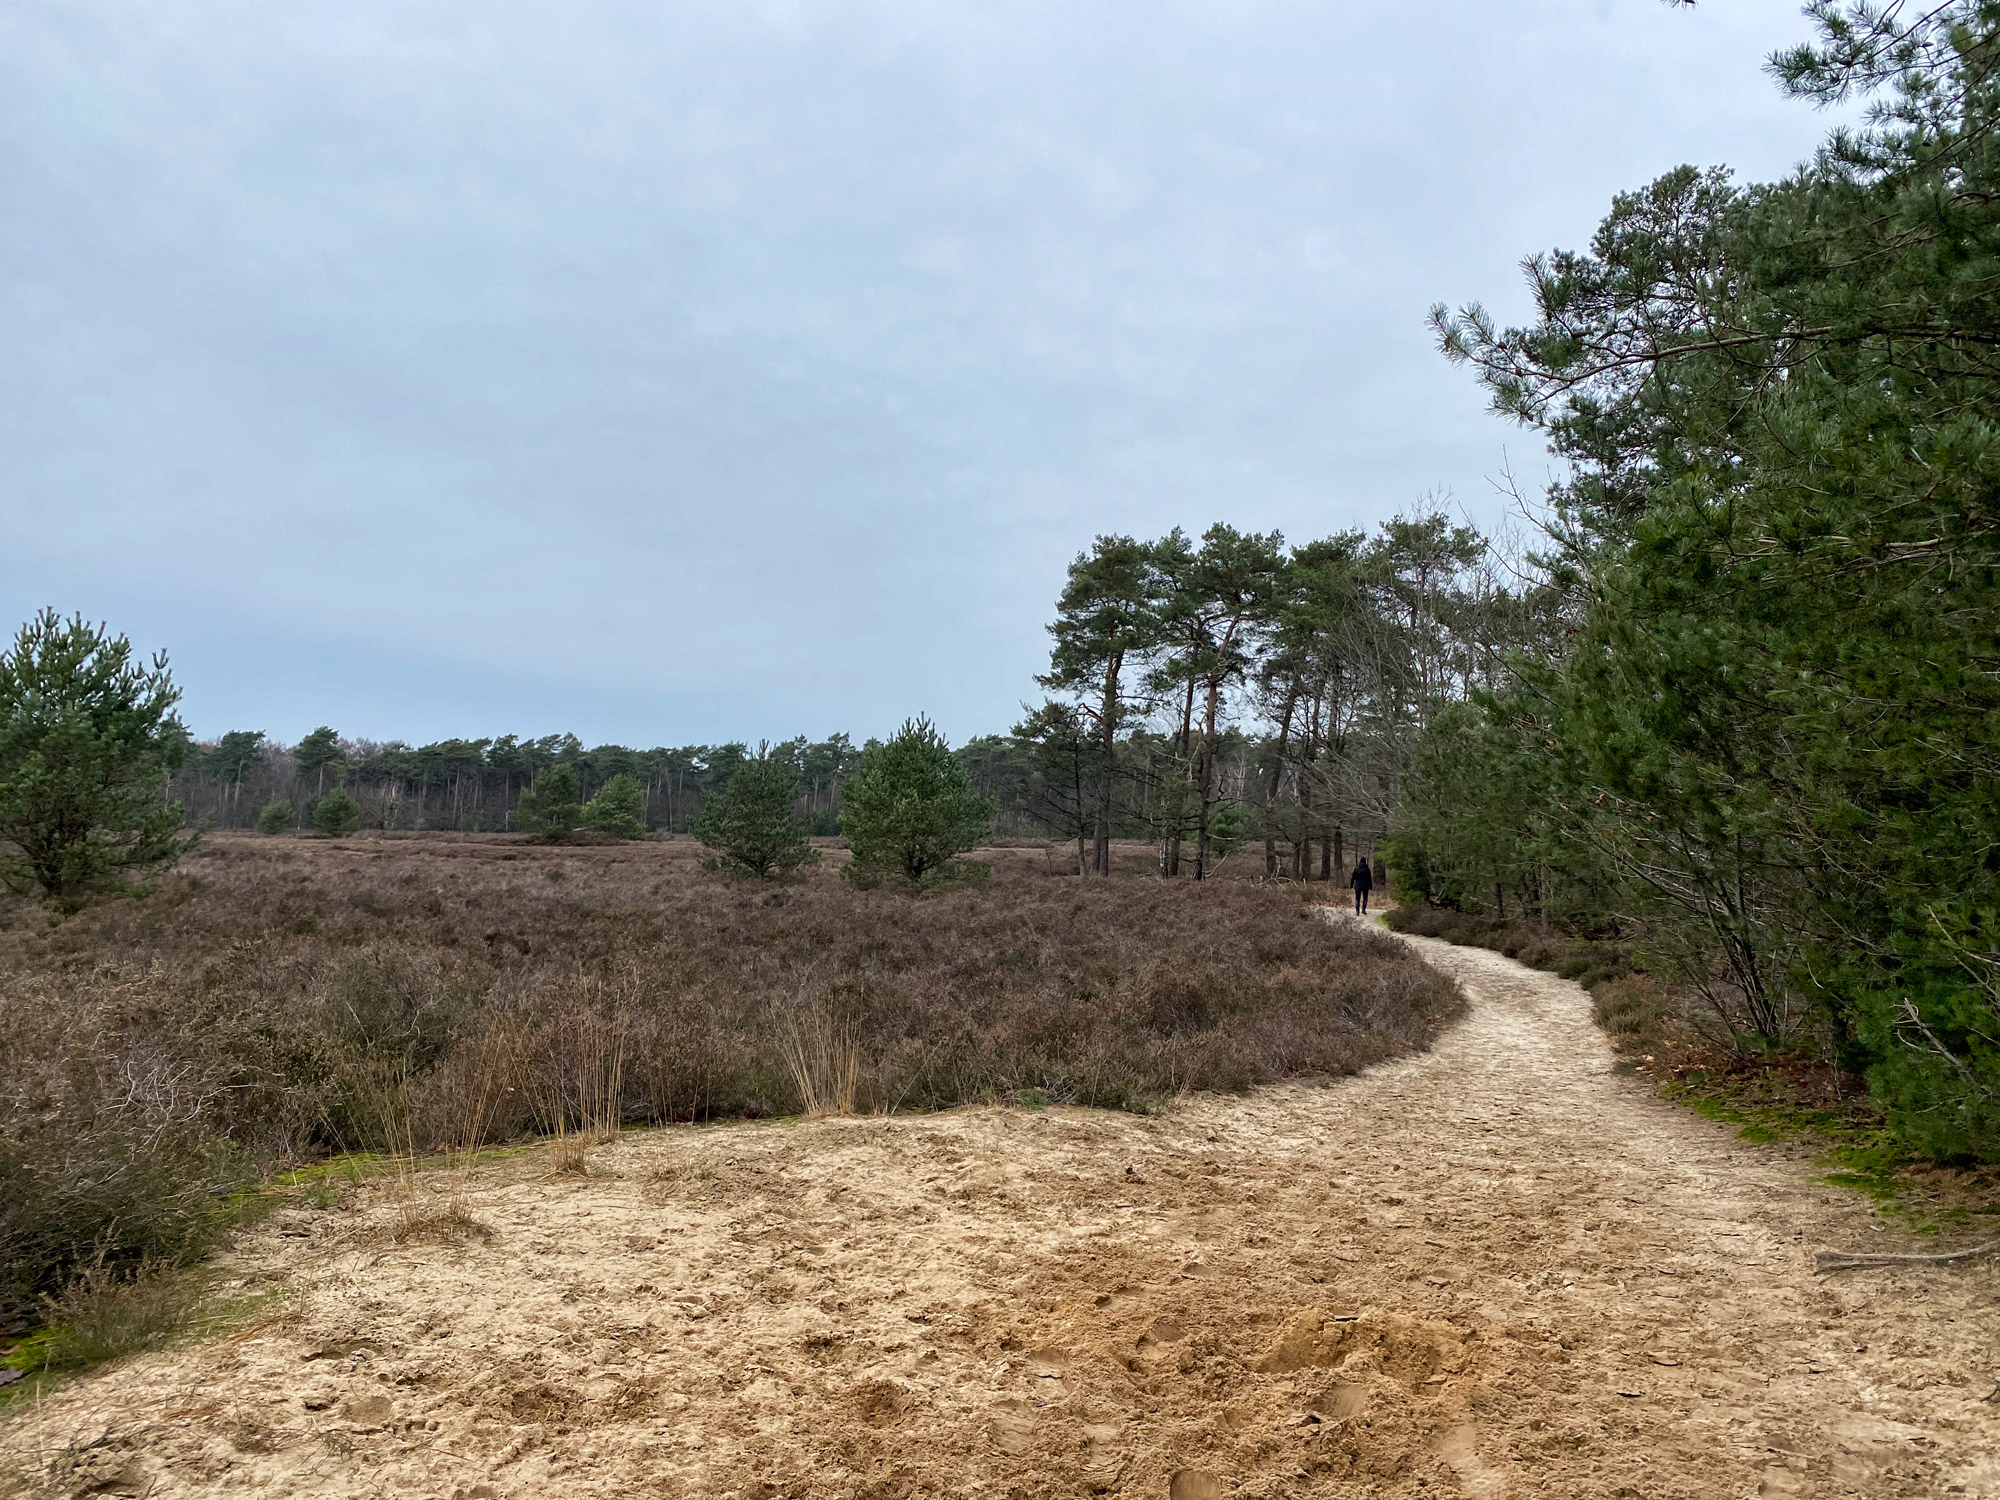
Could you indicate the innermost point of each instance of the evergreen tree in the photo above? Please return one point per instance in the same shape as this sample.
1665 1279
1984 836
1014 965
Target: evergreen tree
336 815
750 822
1228 829
1063 758
910 809
549 810
314 754
1107 614
274 817
88 738
616 811
1774 718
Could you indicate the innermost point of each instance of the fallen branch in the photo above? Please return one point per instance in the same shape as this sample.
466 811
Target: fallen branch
1841 1260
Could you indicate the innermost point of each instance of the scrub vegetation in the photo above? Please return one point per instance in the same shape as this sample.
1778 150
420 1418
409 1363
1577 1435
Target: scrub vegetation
278 1001
1761 739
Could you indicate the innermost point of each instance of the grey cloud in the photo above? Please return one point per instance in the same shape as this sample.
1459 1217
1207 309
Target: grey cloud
691 371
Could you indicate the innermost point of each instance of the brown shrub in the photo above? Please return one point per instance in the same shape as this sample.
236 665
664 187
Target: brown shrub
413 995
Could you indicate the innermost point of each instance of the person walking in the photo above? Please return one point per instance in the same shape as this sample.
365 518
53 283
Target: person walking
1363 882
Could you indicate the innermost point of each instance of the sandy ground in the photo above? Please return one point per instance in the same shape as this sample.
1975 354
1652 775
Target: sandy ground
1500 1269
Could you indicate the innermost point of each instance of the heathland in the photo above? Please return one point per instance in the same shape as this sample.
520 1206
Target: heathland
279 1001
1493 1267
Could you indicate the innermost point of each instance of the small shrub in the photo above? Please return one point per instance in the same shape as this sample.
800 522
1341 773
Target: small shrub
104 1314
275 818
824 1060
750 823
112 1143
548 809
336 815
1632 1007
569 1156
616 811
438 1223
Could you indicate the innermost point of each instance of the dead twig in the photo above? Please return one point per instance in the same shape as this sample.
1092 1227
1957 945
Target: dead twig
1841 1260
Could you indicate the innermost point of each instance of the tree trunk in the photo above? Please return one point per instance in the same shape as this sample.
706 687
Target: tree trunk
1208 793
1107 723
1303 849
1277 780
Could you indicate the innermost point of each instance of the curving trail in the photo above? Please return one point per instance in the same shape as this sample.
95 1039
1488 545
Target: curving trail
1499 1269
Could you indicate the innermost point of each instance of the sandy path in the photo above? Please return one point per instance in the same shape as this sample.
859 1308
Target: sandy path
1499 1269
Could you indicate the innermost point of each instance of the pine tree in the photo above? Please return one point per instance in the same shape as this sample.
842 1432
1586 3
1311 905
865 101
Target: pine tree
316 752
274 817
1106 615
1774 718
549 810
616 811
88 737
910 809
750 823
336 815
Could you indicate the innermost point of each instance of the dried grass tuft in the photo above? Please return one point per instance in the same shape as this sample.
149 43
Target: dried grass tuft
447 1223
105 1313
824 1059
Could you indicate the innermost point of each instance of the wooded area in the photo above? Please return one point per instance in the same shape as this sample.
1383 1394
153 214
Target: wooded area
1762 730
1203 694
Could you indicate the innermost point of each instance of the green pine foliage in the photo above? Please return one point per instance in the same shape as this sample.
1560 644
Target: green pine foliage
750 823
549 810
318 753
618 809
1228 830
274 817
88 737
336 815
1769 735
910 811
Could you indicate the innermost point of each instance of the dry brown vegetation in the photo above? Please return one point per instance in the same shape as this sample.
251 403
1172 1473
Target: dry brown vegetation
283 999
1494 1268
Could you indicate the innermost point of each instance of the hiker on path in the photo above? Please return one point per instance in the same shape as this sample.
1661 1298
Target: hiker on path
1363 882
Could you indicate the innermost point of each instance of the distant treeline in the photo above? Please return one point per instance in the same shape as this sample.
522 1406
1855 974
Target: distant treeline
475 785
1212 692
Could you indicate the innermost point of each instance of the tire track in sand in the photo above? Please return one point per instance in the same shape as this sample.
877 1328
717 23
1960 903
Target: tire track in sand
1498 1269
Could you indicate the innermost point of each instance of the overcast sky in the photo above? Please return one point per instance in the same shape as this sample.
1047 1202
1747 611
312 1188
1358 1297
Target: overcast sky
675 372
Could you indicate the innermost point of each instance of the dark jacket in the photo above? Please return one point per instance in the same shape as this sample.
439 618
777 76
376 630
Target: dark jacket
1362 881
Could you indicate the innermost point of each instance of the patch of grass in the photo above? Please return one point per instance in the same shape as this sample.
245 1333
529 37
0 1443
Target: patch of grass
569 1156
1874 1168
446 1223
1852 1141
105 1315
108 1313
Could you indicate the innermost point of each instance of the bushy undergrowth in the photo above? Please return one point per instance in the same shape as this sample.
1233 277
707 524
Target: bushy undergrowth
281 1000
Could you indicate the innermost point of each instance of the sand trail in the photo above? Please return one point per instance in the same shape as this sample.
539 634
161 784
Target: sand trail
1499 1269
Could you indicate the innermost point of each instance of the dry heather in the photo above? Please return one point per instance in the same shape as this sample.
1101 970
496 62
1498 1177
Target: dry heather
281 999
1495 1269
